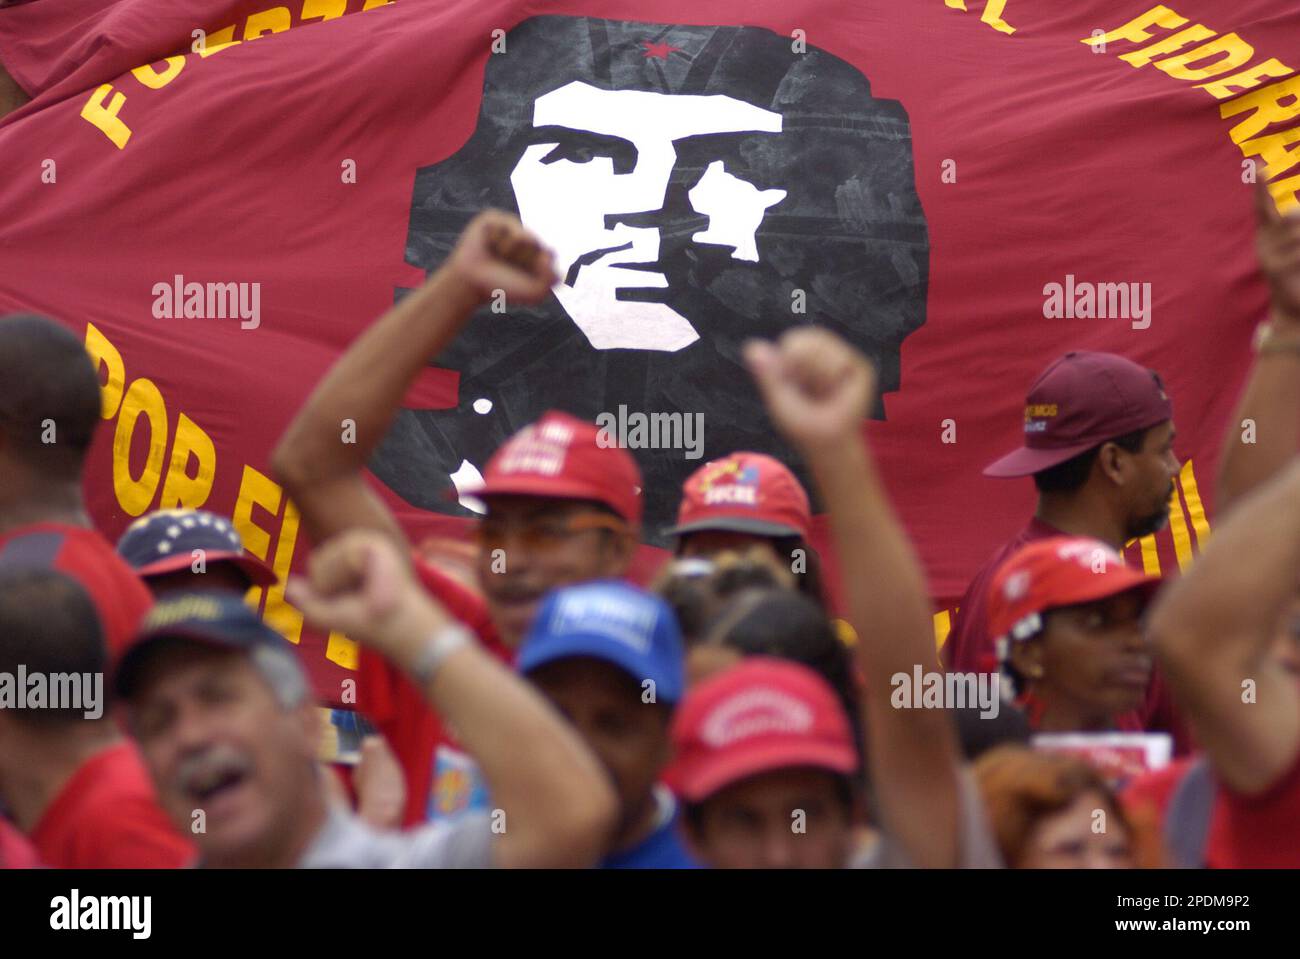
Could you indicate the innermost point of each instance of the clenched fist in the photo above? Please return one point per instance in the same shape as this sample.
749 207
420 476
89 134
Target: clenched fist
1278 241
495 252
816 387
359 584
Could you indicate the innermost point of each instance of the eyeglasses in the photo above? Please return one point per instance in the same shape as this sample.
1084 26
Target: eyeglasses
542 532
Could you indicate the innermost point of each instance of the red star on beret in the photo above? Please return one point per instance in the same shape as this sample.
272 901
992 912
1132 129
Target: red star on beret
660 50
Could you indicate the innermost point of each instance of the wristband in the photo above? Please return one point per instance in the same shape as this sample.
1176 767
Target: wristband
444 641
1268 340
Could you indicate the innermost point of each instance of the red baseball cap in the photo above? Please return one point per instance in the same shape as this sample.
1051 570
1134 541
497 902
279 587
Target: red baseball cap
1082 400
1059 571
744 493
560 457
761 715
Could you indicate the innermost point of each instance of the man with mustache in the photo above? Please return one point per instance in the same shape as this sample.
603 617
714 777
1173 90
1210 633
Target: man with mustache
223 714
1099 437
560 507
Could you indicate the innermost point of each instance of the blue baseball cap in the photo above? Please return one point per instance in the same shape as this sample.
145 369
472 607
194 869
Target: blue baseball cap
164 542
611 621
211 617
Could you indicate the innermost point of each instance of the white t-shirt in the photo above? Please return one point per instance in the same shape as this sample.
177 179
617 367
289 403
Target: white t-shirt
346 842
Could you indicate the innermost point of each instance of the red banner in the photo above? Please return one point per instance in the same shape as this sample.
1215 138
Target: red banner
221 195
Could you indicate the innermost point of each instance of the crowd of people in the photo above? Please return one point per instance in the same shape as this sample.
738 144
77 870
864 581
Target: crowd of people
544 711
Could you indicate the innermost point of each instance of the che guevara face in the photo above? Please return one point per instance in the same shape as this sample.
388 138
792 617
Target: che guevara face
604 157
701 186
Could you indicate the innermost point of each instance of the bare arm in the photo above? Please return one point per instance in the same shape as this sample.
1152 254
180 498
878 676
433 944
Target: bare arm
1215 627
323 475
558 802
818 390
1265 427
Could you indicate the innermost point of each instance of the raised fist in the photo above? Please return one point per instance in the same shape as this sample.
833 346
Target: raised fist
1278 241
816 387
495 252
358 583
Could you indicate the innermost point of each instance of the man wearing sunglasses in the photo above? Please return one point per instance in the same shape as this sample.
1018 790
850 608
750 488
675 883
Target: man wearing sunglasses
560 508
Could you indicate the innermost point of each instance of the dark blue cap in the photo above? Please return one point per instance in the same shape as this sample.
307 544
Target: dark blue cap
215 617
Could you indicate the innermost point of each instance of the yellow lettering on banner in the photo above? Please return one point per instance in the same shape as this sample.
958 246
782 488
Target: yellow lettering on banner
1234 52
156 81
278 613
1150 554
1268 107
1140 58
1272 150
942 627
180 489
103 352
1178 528
1283 193
371 4
1195 509
323 9
135 495
255 489
993 16
343 651
275 20
1245 80
105 118
1135 30
218 41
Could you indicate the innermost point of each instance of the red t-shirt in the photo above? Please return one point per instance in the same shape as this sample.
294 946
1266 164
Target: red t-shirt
15 851
119 595
107 817
1246 832
399 710
969 647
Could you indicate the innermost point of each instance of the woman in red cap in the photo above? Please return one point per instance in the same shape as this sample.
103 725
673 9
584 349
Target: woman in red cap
1067 614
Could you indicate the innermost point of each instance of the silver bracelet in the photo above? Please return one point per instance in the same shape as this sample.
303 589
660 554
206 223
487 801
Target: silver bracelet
444 641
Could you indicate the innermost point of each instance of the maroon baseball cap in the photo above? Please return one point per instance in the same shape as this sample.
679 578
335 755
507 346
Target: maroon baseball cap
744 493
562 457
1079 402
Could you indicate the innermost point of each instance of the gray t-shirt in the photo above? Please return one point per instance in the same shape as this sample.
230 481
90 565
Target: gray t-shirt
346 842
979 850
